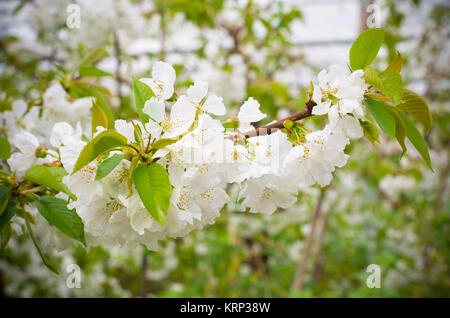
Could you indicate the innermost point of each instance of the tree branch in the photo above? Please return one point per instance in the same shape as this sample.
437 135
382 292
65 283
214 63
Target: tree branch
299 277
268 129
117 52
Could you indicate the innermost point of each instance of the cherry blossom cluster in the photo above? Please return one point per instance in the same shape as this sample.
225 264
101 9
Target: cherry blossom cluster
201 156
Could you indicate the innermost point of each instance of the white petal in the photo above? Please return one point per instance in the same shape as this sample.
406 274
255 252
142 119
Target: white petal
197 92
249 112
163 75
155 108
59 133
140 220
153 129
214 105
244 127
82 106
125 128
160 153
54 95
182 116
165 72
19 108
26 142
31 119
20 162
321 108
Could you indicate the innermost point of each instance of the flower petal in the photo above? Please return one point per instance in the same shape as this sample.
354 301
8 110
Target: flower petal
249 112
155 108
181 117
197 92
125 128
26 142
214 105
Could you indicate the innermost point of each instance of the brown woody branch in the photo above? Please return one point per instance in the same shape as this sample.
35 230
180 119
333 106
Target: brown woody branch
268 129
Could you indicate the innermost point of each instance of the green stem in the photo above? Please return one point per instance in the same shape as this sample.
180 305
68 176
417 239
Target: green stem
43 257
33 190
138 132
51 155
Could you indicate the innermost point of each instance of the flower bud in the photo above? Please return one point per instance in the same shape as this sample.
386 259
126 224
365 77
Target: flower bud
288 124
41 152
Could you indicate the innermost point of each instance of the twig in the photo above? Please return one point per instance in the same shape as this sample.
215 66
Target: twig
144 281
299 277
268 129
117 52
317 267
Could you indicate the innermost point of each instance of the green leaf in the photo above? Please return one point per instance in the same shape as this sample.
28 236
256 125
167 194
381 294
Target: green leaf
142 93
133 164
365 48
382 115
392 85
108 165
231 123
400 130
80 89
55 211
102 143
154 188
4 197
5 148
50 177
5 235
415 137
388 82
99 118
162 143
10 211
370 131
93 71
372 78
417 107
92 57
396 63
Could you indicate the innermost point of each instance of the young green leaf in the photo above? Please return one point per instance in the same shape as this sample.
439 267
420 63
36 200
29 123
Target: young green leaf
161 143
92 57
25 215
55 211
81 89
371 77
50 177
370 131
382 115
9 212
5 148
108 165
142 93
365 48
93 71
154 188
415 137
396 63
400 130
4 197
133 164
99 118
392 85
102 143
5 235
417 107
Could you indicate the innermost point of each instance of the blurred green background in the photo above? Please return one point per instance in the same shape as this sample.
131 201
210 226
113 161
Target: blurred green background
380 209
